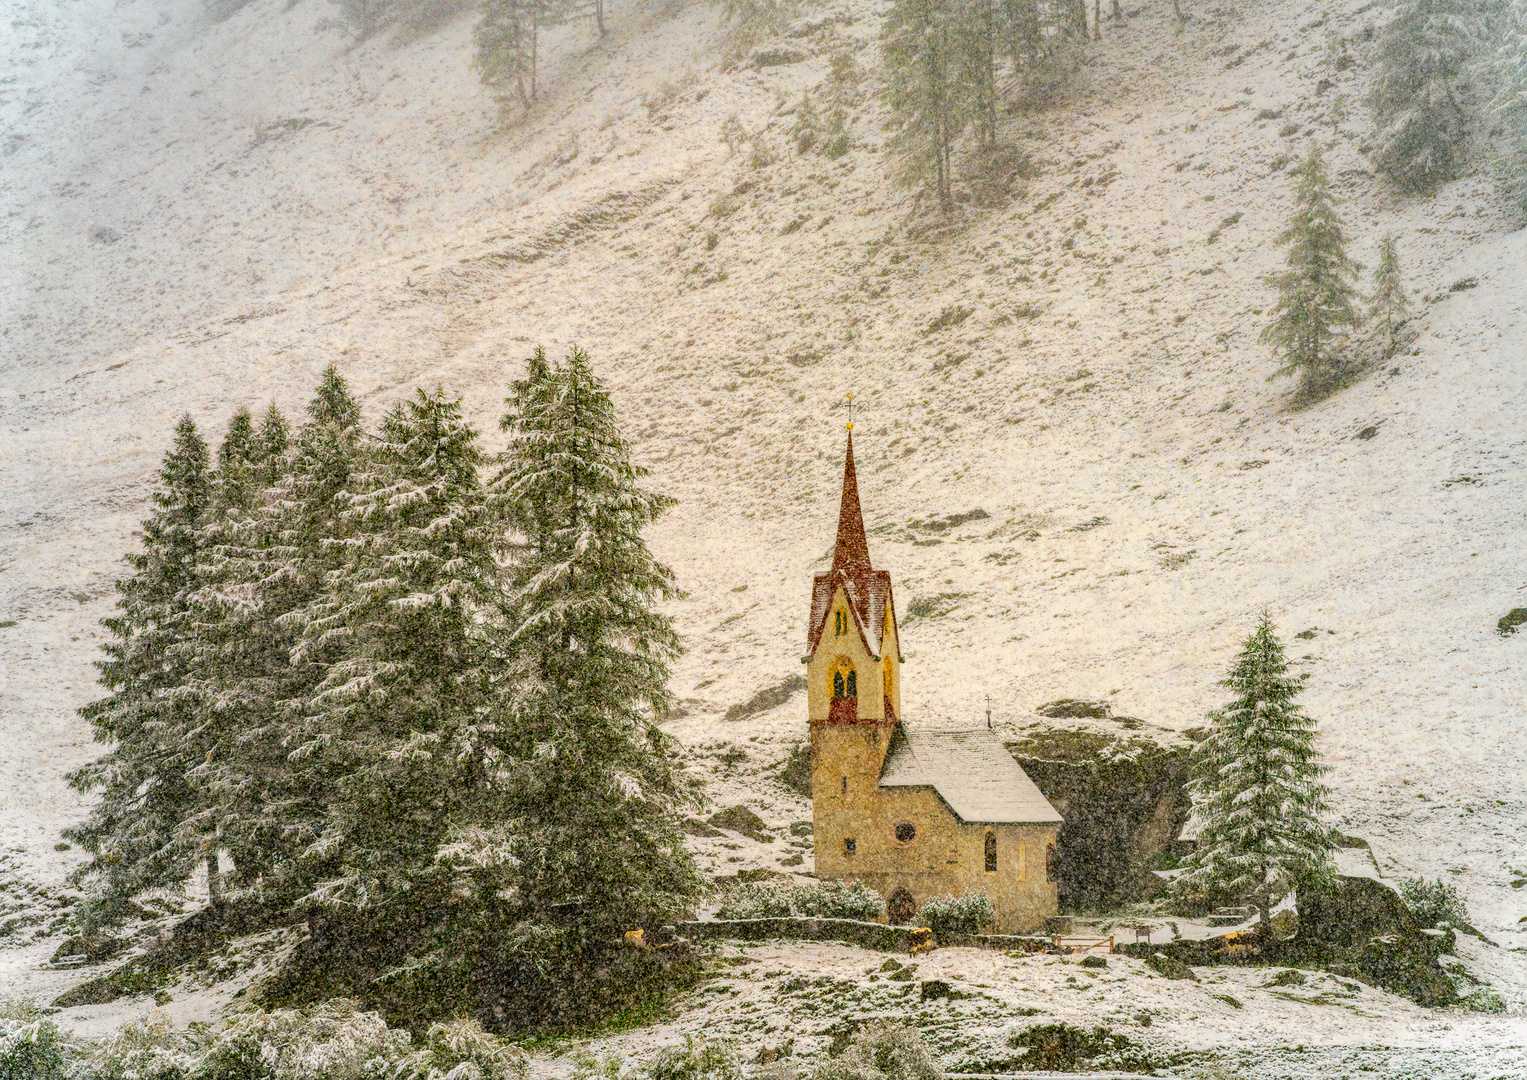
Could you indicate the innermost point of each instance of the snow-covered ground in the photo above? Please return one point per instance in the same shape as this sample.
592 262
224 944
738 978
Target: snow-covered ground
200 215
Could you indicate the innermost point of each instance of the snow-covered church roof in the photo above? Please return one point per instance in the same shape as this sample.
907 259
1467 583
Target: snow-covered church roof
971 771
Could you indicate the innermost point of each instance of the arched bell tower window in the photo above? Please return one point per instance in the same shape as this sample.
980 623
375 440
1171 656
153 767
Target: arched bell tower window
840 623
845 681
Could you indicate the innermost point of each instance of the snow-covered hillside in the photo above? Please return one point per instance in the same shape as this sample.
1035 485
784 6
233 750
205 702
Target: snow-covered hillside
201 215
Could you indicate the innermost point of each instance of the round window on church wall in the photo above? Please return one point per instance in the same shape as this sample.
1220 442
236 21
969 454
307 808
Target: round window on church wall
906 832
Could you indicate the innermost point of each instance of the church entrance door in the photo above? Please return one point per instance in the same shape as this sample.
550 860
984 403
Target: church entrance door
900 908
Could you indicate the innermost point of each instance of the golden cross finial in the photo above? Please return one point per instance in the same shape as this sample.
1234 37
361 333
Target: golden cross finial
850 411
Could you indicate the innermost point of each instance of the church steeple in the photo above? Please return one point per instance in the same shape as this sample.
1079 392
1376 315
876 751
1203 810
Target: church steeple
851 553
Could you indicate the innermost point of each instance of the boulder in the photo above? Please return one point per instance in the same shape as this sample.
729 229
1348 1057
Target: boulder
1169 966
1124 802
740 819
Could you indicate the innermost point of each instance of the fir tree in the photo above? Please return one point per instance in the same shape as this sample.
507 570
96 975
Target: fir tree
1316 292
393 631
1389 305
274 438
919 46
264 571
133 832
1416 97
508 43
1508 74
1256 787
591 808
978 26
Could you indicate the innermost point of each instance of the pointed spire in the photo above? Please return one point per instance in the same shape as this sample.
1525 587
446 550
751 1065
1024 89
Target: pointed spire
852 553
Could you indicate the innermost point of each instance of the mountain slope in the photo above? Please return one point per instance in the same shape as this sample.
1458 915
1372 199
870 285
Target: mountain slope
205 214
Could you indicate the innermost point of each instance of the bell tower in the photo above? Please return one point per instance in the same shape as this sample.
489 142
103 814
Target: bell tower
853 688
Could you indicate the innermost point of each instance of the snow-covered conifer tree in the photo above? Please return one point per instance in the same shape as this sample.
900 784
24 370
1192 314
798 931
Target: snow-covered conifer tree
1389 306
393 630
588 804
133 830
1316 293
1256 787
919 47
1417 96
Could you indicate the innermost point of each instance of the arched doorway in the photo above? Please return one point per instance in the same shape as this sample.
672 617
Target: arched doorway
900 907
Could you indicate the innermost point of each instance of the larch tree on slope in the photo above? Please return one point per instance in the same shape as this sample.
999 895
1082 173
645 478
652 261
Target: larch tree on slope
920 48
1315 294
1256 788
133 832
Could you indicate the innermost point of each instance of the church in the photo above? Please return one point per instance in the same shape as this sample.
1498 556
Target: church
912 811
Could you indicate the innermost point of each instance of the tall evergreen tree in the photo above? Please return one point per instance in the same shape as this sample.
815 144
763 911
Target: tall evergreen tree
919 46
1315 293
978 37
1417 94
394 632
592 814
1389 305
1508 74
1256 787
508 42
133 830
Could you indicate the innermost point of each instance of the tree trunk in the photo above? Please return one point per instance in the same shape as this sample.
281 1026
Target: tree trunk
214 884
1177 7
1097 20
599 15
1118 12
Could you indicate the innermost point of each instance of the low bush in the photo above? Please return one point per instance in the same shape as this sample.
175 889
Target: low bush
31 1048
968 914
825 900
1435 904
883 1051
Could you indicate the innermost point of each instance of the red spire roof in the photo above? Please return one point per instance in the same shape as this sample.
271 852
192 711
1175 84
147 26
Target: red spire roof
852 553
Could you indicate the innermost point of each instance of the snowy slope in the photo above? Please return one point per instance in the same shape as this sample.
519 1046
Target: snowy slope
202 215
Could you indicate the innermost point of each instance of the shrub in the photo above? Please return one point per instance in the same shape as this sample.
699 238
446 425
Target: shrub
755 902
695 1060
1436 904
824 900
837 900
333 1041
883 1051
968 914
31 1048
151 1050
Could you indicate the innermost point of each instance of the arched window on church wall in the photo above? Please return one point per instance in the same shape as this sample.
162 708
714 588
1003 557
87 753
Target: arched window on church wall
991 852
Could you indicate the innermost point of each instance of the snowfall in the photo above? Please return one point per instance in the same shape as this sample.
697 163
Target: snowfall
201 214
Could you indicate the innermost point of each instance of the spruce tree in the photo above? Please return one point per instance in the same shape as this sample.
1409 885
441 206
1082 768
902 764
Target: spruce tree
1389 306
1315 294
591 808
1417 94
977 39
265 571
1508 74
1256 788
919 47
508 43
133 832
394 633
